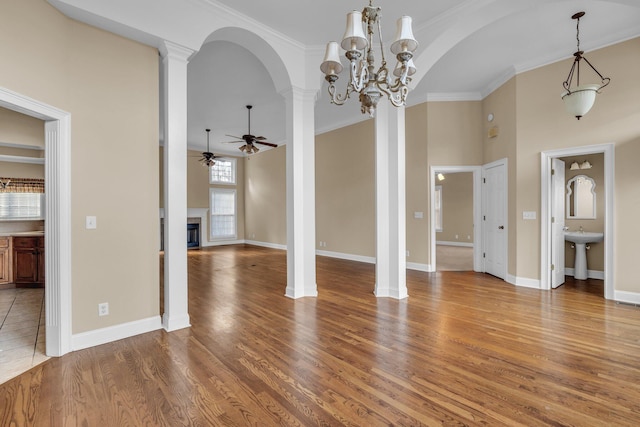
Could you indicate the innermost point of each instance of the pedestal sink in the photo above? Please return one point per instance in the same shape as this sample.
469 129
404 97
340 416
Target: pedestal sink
580 240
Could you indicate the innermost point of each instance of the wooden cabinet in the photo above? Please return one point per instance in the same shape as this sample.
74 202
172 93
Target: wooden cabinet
5 260
28 261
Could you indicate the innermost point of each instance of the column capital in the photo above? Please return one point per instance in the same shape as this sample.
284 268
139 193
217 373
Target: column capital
171 50
299 93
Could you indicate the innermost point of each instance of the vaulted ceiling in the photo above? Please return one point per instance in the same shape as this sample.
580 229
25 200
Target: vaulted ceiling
467 49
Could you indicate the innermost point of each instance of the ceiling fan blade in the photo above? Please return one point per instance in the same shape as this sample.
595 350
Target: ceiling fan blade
232 142
233 136
260 137
266 143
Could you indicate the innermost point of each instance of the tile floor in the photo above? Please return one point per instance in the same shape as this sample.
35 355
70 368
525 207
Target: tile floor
454 258
22 331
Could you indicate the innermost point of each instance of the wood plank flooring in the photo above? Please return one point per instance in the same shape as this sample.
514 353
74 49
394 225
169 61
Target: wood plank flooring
463 349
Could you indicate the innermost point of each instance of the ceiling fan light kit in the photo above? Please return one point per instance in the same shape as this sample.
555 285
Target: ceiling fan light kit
364 79
579 100
208 158
249 139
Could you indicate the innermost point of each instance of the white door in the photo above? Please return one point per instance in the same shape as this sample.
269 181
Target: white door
557 222
494 191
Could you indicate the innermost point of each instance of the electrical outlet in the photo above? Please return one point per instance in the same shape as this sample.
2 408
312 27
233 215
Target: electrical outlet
407 253
91 223
103 309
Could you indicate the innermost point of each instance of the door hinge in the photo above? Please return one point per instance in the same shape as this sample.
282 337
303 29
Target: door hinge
553 171
553 267
484 180
553 220
484 217
484 255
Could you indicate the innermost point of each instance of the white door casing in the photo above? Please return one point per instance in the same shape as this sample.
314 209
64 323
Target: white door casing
557 222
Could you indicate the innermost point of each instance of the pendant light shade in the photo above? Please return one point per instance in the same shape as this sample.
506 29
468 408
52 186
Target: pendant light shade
331 64
404 42
579 101
354 38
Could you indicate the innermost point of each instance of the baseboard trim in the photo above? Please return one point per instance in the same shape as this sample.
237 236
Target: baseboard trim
591 274
523 282
349 257
463 244
114 333
420 267
627 297
265 244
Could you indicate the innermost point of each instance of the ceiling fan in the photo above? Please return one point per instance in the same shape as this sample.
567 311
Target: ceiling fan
208 158
249 139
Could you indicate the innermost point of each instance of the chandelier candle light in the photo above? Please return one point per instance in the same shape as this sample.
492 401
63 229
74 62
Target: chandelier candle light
364 79
579 100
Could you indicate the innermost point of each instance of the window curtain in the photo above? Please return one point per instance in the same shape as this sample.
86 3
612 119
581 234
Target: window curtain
21 185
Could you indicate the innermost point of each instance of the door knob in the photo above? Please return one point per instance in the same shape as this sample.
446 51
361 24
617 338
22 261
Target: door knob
501 227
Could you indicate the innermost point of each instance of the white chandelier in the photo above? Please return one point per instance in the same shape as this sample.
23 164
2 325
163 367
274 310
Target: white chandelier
579 100
364 79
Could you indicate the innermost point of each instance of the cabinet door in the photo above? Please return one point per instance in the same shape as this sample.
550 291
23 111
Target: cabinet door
25 265
40 278
4 266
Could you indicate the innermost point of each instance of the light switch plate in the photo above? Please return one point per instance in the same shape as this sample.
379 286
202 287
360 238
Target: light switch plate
418 215
91 223
528 215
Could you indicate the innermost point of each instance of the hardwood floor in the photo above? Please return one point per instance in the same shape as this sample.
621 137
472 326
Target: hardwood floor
463 349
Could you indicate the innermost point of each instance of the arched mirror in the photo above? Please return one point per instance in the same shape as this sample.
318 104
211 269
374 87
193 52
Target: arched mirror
581 198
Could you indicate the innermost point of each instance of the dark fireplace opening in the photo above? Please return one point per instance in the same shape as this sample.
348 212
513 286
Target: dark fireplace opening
193 235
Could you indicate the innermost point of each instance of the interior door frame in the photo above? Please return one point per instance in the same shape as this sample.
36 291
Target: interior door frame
477 212
545 210
57 167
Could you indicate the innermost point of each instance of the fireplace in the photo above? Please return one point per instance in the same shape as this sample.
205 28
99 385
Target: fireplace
193 233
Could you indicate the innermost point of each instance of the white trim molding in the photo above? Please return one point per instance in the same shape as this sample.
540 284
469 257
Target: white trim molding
523 282
57 166
627 297
117 332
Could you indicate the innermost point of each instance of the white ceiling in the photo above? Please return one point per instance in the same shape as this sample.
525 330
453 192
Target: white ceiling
470 47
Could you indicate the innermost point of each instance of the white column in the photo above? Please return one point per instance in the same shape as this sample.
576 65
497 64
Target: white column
391 241
174 62
301 194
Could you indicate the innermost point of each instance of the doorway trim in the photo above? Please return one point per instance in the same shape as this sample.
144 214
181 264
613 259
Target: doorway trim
477 212
545 210
57 167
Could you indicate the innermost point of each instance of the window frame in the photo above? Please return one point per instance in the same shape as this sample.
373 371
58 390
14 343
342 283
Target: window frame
234 171
233 236
437 208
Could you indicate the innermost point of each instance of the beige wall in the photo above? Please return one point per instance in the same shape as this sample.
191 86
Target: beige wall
18 128
109 85
543 124
457 208
266 197
345 190
441 133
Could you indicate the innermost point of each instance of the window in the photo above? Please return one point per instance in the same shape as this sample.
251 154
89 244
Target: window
437 207
222 205
223 172
21 206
